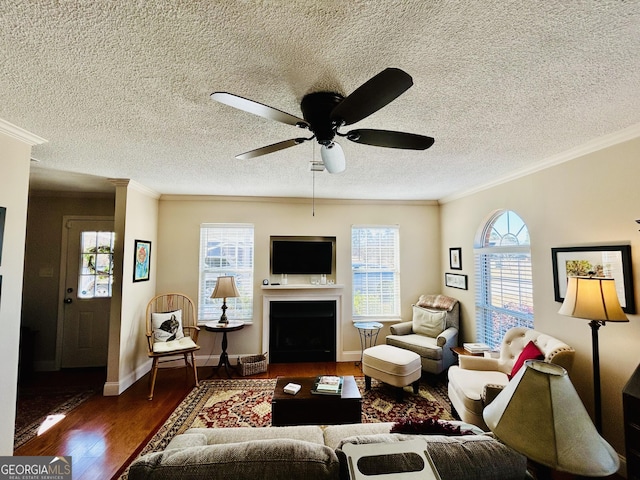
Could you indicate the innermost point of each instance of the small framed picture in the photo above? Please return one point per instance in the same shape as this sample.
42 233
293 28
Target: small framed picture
455 258
455 280
141 260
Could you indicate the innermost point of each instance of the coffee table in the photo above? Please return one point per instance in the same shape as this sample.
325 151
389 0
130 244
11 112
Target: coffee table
306 408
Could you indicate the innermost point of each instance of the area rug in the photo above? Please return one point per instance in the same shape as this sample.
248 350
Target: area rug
247 403
35 404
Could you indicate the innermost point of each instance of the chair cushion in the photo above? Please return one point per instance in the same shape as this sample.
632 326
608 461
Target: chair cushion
185 343
469 385
530 352
426 347
167 326
430 323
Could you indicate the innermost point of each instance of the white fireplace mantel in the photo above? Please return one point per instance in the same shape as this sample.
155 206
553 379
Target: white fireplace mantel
309 293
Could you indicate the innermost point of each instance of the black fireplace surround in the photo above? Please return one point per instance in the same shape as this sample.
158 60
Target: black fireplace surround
302 331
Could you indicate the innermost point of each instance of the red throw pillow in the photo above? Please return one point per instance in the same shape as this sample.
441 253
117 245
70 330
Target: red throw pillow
530 352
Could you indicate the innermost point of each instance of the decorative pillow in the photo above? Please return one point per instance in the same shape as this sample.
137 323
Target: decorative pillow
530 352
167 326
428 322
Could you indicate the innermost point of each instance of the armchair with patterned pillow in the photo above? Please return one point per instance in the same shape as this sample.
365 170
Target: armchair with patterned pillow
431 333
478 380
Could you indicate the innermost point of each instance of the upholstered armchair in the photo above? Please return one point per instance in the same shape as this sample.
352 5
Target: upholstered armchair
478 380
431 333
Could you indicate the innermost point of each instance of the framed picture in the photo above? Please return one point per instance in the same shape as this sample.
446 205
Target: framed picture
604 261
455 258
3 214
455 280
141 260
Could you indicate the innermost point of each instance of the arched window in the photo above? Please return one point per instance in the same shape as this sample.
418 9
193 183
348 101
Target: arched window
504 294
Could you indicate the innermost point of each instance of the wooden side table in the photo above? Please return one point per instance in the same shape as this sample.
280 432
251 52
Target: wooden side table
461 351
217 327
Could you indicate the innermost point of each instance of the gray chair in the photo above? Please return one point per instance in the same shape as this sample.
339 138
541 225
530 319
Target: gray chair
432 342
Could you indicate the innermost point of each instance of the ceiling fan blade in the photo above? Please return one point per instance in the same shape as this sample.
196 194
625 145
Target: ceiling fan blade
259 109
372 95
270 148
387 138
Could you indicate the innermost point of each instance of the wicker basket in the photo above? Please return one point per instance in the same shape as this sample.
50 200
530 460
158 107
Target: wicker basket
252 364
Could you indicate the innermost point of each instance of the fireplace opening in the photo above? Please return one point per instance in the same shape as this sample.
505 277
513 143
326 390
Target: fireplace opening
302 331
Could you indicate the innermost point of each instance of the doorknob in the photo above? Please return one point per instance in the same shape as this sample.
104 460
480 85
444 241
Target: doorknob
68 300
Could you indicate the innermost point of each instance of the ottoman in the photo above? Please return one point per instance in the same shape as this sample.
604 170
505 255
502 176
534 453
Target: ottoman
392 365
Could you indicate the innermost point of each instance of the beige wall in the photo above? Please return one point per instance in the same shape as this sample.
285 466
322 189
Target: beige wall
15 152
177 251
592 200
40 295
136 218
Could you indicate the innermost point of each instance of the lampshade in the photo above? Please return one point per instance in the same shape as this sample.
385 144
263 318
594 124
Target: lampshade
539 414
225 287
333 158
592 298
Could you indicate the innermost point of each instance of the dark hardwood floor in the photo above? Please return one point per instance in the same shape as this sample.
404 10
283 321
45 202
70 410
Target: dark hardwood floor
104 433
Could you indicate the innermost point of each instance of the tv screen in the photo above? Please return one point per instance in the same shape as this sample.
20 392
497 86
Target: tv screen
301 257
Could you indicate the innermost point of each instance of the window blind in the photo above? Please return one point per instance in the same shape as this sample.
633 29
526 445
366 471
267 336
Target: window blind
226 249
504 297
375 266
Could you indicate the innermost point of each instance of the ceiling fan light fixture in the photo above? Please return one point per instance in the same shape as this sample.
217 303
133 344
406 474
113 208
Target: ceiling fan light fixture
333 157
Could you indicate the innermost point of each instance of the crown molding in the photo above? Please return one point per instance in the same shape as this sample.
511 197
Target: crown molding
600 143
21 134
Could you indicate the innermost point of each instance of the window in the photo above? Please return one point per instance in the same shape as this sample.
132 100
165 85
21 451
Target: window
504 297
375 266
226 249
96 264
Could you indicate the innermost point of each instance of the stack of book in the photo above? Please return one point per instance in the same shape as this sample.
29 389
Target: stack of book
328 385
476 347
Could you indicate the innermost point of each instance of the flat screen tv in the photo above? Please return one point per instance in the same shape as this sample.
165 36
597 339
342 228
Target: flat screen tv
299 256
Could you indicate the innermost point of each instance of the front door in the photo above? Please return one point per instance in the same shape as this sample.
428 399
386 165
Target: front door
87 292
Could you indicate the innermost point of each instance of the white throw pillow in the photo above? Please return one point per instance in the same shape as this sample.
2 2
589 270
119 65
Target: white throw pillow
167 326
430 323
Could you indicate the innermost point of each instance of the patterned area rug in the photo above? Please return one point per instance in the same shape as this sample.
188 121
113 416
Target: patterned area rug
247 403
36 404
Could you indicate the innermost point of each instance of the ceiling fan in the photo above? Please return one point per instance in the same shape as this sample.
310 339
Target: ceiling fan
324 113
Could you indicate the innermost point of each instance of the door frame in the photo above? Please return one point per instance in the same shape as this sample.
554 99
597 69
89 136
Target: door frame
63 275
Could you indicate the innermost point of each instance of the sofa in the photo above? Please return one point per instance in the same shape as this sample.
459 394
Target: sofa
314 452
431 333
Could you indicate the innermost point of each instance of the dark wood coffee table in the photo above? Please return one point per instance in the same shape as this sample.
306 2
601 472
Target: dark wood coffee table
306 408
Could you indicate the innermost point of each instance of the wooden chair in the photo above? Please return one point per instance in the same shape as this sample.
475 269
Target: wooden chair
171 340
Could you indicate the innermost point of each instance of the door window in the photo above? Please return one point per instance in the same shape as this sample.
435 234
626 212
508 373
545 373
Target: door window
96 264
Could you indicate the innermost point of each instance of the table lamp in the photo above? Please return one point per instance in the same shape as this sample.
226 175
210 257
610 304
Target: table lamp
539 414
225 288
595 299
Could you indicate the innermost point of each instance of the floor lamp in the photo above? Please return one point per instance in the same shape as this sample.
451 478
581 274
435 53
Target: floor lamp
594 299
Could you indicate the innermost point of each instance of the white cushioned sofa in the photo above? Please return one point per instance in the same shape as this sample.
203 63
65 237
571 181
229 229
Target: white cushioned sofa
314 452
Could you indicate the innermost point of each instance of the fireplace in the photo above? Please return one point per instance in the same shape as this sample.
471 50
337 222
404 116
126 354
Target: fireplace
302 331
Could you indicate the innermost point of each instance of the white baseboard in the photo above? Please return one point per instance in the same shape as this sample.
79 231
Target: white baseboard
112 389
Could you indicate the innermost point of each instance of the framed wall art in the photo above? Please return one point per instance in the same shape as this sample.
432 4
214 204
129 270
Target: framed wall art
611 261
455 258
141 260
455 280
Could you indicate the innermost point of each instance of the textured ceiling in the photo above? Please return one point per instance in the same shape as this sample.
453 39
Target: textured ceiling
121 88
